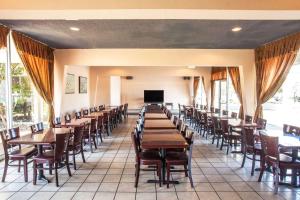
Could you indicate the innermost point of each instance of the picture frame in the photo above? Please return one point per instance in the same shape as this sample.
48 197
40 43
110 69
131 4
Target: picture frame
70 84
82 84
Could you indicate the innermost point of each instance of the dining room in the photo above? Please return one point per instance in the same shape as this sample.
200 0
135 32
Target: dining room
149 100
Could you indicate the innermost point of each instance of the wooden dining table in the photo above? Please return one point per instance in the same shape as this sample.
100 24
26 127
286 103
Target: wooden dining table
39 139
76 122
93 115
158 124
239 123
163 141
160 116
161 131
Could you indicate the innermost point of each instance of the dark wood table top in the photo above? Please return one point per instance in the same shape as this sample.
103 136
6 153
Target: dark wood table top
77 122
238 123
93 115
158 124
163 141
44 137
155 116
161 131
219 116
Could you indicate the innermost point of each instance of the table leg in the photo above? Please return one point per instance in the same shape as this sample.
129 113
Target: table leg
294 171
41 175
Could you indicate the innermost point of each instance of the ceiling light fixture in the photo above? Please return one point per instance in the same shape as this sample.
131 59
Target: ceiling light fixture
236 29
74 29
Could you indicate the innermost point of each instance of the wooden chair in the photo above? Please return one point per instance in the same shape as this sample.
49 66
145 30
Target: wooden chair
100 127
225 112
228 136
76 144
217 130
273 157
57 122
60 154
92 110
290 130
106 123
234 115
174 119
125 111
183 158
85 112
68 118
150 158
261 124
90 133
14 153
217 110
78 115
250 147
212 109
35 128
248 119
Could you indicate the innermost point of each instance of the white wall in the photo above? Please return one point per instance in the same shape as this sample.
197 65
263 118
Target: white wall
76 101
115 90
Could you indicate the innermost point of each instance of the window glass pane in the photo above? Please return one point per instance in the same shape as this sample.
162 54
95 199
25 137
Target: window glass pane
223 95
201 95
217 94
233 101
3 60
284 106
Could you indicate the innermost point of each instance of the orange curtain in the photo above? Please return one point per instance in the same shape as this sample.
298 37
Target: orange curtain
38 60
195 88
3 36
235 79
218 73
206 95
273 62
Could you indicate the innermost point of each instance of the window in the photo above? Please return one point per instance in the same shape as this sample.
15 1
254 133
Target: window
201 95
3 89
284 106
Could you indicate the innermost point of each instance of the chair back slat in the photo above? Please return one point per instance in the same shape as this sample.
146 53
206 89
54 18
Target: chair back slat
290 130
269 146
248 119
35 128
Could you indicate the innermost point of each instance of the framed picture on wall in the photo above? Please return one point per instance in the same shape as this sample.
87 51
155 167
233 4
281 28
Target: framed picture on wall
70 84
82 84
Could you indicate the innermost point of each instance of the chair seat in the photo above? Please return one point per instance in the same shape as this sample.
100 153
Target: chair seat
150 155
234 134
46 156
176 157
23 153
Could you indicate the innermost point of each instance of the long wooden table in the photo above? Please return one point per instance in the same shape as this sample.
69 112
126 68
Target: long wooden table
41 138
155 116
76 122
158 124
161 131
239 123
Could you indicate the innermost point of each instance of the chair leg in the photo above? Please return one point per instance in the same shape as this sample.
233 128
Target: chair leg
25 170
34 172
67 163
185 171
74 160
82 154
222 143
56 174
276 179
159 173
244 159
100 135
5 170
19 165
253 164
50 169
190 174
262 169
168 174
94 140
137 174
228 148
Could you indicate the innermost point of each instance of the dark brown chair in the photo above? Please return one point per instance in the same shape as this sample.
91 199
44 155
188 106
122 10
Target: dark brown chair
125 111
14 153
217 131
225 112
76 145
290 130
248 119
92 110
90 133
250 147
234 115
175 119
68 118
35 128
228 136
106 123
78 115
261 124
57 122
85 112
212 109
150 158
217 110
183 158
100 127
273 157
60 154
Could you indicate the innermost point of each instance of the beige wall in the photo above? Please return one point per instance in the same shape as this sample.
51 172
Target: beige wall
158 57
169 79
76 101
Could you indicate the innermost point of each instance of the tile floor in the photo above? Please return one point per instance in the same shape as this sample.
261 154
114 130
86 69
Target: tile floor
109 174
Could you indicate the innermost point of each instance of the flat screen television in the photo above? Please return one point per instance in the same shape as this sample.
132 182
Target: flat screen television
153 96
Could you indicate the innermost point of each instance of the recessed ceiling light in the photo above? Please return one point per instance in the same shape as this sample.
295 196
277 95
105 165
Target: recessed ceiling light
74 29
236 29
191 66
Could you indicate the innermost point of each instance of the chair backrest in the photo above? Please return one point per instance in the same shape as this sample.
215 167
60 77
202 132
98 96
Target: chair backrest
78 115
205 107
77 136
85 112
201 107
261 124
35 128
234 115
216 123
93 125
269 145
57 121
204 117
212 109
224 112
179 124
61 144
7 136
92 109
217 110
100 122
135 143
175 119
68 118
105 117
183 130
224 126
190 140
248 136
248 119
290 130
